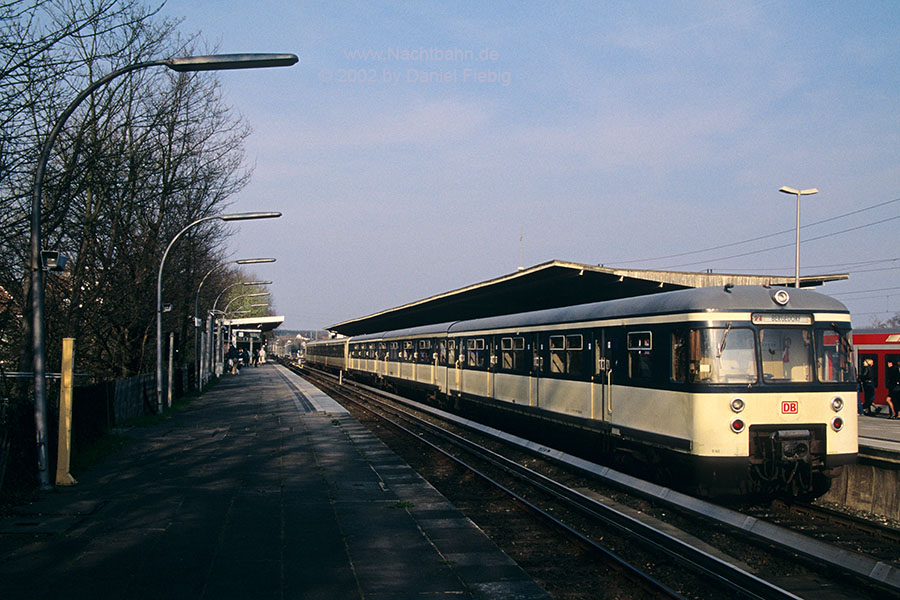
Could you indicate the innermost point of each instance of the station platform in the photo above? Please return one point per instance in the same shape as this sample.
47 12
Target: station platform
879 437
262 488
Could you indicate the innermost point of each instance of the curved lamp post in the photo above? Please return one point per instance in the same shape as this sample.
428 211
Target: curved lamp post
248 309
228 287
253 295
217 355
231 217
240 261
798 193
180 64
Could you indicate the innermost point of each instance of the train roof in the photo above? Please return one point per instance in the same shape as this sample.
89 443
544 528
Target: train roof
712 300
553 284
876 330
423 331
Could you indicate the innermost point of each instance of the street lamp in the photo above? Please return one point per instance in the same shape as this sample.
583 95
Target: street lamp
246 310
180 64
798 193
253 295
240 261
228 287
219 352
230 217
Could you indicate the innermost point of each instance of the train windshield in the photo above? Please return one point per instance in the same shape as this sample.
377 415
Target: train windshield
726 355
834 355
786 354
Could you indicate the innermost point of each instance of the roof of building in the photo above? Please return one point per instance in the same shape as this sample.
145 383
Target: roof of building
267 323
551 285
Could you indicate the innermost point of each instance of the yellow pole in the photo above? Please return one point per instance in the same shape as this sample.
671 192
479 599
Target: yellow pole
64 451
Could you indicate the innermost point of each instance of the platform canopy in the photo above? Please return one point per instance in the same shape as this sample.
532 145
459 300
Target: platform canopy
551 285
267 323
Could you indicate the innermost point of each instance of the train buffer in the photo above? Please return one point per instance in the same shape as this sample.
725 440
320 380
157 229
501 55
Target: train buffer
263 487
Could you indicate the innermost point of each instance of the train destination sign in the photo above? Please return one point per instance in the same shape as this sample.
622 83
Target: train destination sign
781 319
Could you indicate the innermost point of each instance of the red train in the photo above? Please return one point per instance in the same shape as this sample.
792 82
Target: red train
882 346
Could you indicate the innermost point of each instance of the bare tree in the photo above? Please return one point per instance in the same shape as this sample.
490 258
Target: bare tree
141 158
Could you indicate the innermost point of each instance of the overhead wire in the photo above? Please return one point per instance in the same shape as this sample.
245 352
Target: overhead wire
790 245
853 267
767 236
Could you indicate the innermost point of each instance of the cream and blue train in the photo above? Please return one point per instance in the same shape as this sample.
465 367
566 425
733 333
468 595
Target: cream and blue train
749 388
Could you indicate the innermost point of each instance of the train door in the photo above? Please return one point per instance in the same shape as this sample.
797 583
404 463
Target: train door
537 365
454 364
493 358
601 388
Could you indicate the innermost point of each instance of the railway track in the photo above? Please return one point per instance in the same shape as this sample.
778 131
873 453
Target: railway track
656 550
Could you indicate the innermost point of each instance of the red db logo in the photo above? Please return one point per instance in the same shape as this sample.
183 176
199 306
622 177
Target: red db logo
790 407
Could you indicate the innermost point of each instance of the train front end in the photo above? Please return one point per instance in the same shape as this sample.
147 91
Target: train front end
784 405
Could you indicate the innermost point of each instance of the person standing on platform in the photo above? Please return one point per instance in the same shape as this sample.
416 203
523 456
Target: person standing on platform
893 385
867 381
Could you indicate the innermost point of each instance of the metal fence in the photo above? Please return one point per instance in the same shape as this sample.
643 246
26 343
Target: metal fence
97 408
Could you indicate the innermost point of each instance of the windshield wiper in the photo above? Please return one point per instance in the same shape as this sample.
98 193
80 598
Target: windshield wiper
844 343
724 339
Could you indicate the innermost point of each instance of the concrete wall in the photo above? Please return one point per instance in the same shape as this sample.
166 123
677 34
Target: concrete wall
869 486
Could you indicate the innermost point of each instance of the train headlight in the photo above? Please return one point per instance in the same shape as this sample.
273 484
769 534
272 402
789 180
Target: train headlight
737 404
737 425
837 423
837 403
781 297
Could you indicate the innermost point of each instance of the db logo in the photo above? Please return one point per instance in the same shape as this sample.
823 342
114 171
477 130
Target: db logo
790 407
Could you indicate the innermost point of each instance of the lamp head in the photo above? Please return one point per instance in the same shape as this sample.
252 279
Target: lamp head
253 261
223 62
250 216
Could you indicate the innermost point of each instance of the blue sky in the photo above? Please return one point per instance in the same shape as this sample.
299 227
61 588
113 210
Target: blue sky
421 147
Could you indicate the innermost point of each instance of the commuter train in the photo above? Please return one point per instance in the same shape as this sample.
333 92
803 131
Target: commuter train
881 346
743 389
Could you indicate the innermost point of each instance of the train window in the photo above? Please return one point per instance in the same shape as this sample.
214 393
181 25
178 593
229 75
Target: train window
409 351
395 351
575 342
834 356
451 352
476 353
442 352
512 352
557 354
575 354
566 354
424 355
640 340
640 347
786 354
679 356
722 355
